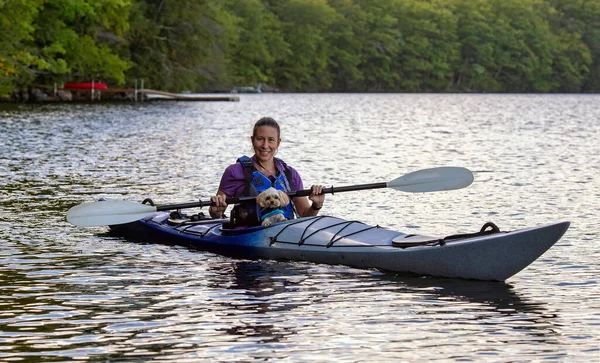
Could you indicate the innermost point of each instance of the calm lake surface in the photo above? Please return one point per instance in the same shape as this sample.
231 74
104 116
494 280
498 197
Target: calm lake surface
70 293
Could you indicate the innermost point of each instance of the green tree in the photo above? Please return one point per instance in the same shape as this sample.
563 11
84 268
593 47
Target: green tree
16 30
181 45
305 45
476 38
78 39
382 41
305 25
578 45
430 49
506 46
345 39
257 44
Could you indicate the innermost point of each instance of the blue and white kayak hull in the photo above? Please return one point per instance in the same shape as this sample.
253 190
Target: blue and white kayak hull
329 240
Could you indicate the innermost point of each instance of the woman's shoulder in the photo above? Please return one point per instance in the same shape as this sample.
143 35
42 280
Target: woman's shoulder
234 169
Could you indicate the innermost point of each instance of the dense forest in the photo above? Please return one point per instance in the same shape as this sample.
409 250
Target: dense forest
304 45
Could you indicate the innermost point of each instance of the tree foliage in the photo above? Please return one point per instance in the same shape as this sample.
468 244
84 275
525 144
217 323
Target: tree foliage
54 40
16 30
305 45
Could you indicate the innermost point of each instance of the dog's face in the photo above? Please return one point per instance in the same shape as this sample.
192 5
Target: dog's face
272 198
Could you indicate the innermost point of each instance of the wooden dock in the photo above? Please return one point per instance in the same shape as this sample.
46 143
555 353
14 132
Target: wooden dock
144 94
166 96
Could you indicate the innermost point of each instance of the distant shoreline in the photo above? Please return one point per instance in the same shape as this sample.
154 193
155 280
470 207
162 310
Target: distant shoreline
38 95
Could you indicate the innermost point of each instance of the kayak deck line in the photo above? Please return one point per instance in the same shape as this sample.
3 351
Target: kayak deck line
186 224
201 234
333 239
413 240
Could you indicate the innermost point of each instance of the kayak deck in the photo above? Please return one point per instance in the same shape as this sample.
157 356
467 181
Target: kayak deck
482 256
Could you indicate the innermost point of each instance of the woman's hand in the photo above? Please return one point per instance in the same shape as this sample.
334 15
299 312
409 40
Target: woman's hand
316 197
218 210
310 206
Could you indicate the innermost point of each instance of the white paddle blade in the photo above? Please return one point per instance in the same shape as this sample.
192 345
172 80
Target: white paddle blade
107 212
433 180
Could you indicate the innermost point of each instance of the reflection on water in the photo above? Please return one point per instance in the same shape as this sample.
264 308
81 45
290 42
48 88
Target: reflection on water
228 307
72 293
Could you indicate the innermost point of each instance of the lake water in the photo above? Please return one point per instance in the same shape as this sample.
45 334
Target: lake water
70 293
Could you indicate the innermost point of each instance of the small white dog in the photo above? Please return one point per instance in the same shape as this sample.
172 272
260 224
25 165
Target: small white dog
272 201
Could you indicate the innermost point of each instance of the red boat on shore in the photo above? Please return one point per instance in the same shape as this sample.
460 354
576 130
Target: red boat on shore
85 85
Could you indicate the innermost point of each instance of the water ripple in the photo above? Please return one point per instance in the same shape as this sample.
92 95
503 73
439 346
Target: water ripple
71 294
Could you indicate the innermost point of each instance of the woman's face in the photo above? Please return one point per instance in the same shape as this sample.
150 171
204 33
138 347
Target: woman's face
265 143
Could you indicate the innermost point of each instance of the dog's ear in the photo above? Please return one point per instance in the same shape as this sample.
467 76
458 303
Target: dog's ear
283 197
260 199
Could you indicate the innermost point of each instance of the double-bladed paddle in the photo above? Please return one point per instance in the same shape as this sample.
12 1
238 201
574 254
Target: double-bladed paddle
110 212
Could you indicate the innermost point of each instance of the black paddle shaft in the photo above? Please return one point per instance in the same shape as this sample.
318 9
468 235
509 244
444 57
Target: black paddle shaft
298 193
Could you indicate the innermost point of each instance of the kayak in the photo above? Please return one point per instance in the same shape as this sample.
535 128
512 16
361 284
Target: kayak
488 254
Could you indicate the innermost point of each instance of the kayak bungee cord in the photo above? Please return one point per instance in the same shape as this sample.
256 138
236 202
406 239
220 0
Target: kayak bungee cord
303 237
350 234
452 238
482 232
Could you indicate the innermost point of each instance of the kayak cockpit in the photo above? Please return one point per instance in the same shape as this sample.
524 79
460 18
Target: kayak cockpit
413 240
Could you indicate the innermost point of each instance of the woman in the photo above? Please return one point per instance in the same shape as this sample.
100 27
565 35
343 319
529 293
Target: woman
250 176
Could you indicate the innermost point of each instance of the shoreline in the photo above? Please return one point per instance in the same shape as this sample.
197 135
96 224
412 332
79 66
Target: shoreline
37 95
